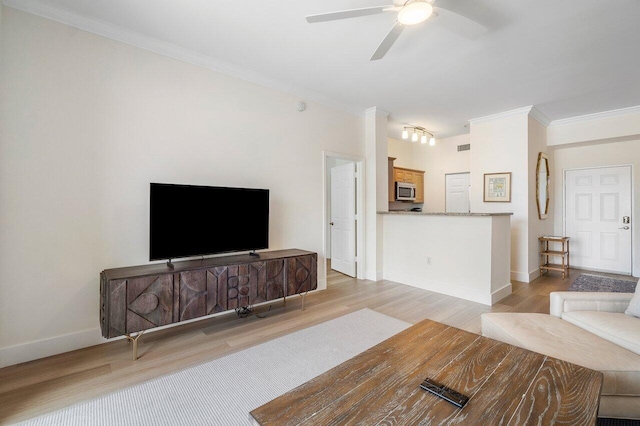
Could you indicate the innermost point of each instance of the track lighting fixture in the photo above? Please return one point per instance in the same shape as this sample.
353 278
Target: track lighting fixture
416 132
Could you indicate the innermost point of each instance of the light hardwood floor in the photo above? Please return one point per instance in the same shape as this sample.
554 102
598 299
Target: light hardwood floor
33 388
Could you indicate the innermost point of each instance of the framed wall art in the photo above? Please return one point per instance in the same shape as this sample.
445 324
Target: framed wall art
497 187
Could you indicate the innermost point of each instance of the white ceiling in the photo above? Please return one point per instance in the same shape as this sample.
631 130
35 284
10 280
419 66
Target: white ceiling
566 57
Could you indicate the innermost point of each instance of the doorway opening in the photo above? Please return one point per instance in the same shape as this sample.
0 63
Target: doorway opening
597 218
343 214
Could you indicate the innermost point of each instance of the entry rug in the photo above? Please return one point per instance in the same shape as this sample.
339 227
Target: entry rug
588 282
224 391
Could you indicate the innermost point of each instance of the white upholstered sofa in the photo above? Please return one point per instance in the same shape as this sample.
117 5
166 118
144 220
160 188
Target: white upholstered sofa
588 329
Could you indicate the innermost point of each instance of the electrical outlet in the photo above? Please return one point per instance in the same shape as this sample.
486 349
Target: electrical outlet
428 261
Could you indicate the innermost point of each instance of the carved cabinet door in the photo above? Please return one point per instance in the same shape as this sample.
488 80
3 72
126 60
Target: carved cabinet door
302 274
234 286
266 281
275 279
217 290
206 292
193 294
149 302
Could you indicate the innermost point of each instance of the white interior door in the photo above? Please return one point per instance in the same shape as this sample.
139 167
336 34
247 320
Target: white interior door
343 219
457 193
598 218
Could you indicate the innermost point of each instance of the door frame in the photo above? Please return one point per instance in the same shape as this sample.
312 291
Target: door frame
633 216
360 215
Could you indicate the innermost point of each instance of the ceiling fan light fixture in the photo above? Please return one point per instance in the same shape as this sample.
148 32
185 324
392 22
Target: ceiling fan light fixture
414 13
432 141
414 136
405 134
423 139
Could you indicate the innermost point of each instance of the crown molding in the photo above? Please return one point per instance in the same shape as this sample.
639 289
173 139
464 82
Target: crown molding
511 113
118 33
539 116
376 111
596 116
528 110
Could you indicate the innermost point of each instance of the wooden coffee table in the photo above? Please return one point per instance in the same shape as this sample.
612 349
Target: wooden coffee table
506 385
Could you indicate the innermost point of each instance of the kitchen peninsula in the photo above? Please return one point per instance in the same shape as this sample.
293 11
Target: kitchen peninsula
465 255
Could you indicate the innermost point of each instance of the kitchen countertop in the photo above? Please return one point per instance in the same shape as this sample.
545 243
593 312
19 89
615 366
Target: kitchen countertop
405 212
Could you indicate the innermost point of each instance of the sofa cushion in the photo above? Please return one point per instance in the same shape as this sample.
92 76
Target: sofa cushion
634 304
560 339
621 329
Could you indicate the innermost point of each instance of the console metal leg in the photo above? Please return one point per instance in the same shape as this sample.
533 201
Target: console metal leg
134 340
303 297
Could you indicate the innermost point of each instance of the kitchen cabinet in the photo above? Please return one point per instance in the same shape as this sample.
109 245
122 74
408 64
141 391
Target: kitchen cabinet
410 176
401 174
398 175
418 180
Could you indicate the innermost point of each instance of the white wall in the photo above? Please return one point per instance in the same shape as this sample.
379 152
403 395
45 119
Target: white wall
410 155
500 145
599 155
538 227
377 189
87 123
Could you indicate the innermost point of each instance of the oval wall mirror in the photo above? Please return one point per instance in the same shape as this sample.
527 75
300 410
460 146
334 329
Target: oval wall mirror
542 185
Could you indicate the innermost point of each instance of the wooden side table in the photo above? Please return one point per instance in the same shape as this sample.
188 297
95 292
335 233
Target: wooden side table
546 253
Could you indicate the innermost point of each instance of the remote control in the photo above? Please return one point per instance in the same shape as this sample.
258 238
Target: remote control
438 389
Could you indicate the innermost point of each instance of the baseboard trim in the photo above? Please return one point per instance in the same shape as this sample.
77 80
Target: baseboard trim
57 345
446 288
525 277
535 274
43 348
375 275
501 293
322 284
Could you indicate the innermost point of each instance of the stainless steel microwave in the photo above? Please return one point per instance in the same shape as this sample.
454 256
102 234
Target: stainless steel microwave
405 191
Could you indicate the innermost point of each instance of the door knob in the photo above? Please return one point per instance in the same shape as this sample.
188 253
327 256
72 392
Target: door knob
331 223
624 227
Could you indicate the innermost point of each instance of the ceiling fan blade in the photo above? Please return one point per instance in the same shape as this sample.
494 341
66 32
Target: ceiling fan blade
388 41
458 23
352 13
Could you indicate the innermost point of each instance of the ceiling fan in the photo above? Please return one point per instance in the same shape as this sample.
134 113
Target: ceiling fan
411 12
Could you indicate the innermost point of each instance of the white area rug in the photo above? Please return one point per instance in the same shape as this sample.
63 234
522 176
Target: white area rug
224 391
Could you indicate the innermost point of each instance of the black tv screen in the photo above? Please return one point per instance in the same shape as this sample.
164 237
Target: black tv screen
190 220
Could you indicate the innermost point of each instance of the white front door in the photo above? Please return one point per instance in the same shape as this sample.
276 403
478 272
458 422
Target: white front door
343 219
598 218
457 193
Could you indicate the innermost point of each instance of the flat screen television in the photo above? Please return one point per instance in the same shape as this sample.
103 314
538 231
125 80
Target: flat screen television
191 220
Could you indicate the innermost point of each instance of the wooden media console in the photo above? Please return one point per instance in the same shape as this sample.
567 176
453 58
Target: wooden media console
138 298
